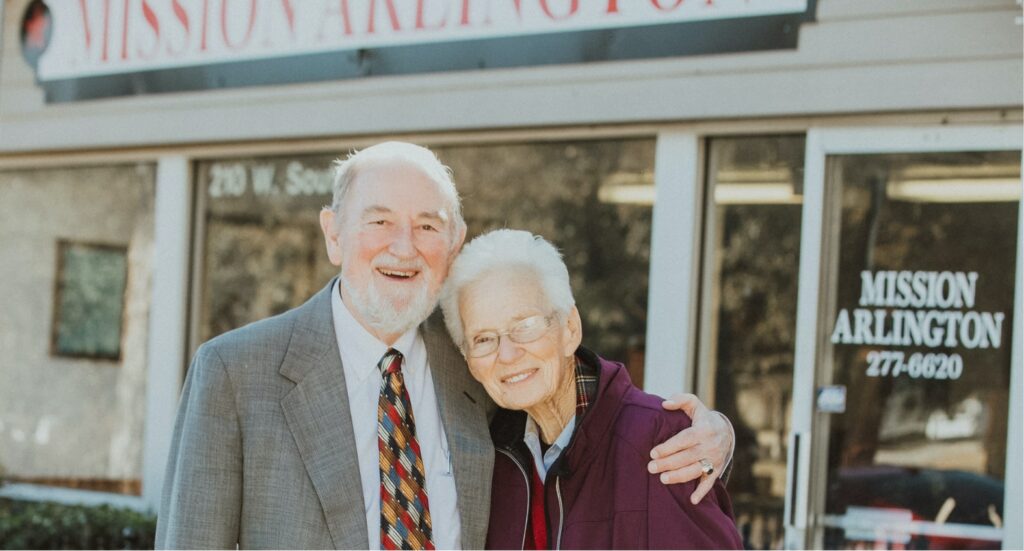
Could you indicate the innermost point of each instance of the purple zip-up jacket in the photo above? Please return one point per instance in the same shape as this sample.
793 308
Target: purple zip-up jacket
598 494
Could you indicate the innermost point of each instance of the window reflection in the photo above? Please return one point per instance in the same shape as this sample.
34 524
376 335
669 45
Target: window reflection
749 316
263 253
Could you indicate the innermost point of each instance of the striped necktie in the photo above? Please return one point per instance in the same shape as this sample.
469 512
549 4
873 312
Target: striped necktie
404 510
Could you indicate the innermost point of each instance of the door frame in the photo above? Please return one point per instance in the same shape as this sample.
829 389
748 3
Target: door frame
804 479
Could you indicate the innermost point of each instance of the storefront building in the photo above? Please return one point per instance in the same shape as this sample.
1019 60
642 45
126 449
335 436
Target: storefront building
807 212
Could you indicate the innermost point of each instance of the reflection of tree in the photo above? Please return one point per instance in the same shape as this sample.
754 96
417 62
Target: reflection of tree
263 252
552 190
757 321
858 248
256 271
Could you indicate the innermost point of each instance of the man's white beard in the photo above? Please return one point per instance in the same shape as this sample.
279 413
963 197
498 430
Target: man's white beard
379 312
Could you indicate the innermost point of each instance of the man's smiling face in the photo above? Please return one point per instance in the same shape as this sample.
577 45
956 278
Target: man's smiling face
394 241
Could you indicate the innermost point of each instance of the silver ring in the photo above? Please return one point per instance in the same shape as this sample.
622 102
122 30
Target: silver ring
706 466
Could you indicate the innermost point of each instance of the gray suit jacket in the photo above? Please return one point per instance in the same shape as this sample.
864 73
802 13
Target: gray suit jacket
263 453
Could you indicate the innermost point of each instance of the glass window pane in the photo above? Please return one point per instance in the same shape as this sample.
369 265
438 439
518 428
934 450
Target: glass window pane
76 262
922 295
263 253
749 316
593 200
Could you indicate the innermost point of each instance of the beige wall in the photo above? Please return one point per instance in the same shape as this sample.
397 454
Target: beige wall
860 56
65 417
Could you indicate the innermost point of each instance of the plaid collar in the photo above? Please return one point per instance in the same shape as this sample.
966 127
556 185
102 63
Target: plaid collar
586 387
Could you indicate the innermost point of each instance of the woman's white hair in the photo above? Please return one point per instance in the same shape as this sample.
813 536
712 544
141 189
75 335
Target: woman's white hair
346 171
500 250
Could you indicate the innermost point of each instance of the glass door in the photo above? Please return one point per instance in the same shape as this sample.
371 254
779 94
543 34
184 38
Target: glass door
903 381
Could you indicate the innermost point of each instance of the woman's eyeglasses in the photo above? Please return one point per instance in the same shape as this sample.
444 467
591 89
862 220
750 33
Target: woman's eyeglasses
523 331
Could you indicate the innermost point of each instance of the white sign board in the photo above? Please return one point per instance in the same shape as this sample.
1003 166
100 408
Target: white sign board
105 37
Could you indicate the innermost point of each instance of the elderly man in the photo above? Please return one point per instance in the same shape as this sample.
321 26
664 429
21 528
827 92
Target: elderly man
352 421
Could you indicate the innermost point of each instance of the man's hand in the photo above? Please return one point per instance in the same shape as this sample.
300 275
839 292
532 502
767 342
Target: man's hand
709 437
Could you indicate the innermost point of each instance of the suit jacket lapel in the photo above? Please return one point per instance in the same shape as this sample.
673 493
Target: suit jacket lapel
462 403
318 416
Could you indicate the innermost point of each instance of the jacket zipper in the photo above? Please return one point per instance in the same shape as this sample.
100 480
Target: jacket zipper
561 519
526 479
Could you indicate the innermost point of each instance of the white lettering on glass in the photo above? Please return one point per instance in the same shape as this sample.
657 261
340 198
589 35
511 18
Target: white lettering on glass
925 309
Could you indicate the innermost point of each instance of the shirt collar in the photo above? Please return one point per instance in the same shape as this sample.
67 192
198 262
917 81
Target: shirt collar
586 391
543 461
361 342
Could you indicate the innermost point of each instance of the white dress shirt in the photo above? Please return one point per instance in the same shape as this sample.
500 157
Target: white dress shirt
360 353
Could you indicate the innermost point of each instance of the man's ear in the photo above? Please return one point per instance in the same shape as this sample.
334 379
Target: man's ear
460 238
573 332
332 238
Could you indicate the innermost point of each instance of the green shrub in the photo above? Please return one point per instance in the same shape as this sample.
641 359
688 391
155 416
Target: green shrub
42 525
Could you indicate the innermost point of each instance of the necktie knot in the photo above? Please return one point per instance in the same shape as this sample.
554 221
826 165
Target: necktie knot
390 363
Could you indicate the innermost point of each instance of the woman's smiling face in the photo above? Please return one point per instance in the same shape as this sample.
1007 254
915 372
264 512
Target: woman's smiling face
519 375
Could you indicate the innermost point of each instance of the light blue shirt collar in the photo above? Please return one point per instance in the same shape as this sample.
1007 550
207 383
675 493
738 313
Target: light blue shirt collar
544 461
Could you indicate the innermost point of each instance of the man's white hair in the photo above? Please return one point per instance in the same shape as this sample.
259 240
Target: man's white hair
346 171
501 250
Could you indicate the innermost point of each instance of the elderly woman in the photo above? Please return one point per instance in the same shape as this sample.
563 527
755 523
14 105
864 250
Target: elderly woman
573 436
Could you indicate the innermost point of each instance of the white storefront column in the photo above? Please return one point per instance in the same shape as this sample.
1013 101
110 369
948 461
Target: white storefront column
675 250
167 321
